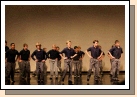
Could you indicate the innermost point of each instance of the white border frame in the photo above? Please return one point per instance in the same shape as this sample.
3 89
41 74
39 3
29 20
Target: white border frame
126 3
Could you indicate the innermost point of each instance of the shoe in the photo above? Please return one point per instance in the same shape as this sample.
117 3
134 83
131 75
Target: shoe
50 78
38 81
56 77
87 79
74 76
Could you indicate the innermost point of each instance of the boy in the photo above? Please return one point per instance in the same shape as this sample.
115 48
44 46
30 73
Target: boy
100 61
96 54
68 51
40 61
53 58
10 62
115 54
82 54
59 61
24 63
76 62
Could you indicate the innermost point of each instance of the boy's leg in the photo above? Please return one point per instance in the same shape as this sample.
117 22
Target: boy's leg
7 73
13 71
41 71
66 66
78 64
114 62
28 71
51 69
74 63
96 74
90 68
70 70
59 66
56 68
80 69
38 71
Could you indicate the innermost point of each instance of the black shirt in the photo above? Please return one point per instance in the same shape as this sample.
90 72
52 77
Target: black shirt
53 54
116 52
68 52
81 53
6 48
95 52
59 57
40 55
11 54
24 54
77 57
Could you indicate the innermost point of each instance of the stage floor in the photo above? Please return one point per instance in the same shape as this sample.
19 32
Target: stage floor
104 80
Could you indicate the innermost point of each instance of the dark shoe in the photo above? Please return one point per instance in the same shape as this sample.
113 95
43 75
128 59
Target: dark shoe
87 79
56 77
50 78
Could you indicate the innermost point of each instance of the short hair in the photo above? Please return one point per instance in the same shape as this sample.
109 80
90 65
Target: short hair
25 44
44 48
57 46
12 44
38 44
116 41
75 47
95 41
5 41
53 45
99 46
79 47
68 41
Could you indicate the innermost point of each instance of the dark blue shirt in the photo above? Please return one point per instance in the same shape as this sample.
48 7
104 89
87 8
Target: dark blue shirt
11 54
53 54
6 48
95 52
81 53
68 52
59 57
116 52
77 57
40 55
24 54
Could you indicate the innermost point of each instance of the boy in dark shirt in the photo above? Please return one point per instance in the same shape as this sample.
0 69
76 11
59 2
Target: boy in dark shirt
53 58
40 61
100 61
96 54
68 51
115 54
10 62
76 62
82 54
59 61
24 63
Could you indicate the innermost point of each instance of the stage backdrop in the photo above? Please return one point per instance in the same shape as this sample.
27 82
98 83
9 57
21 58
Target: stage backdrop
57 24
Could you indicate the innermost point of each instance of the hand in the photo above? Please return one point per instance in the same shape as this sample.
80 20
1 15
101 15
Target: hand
43 60
80 59
113 58
71 57
36 60
20 60
98 58
91 57
65 57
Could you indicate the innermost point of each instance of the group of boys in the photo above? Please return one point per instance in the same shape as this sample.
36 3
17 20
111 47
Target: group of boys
72 57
